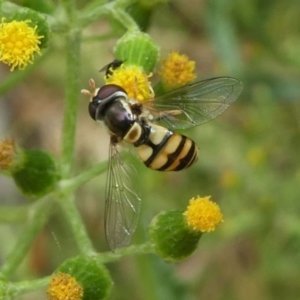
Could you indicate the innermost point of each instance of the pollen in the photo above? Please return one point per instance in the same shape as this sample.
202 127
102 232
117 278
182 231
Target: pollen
7 153
133 80
203 215
177 70
18 43
64 287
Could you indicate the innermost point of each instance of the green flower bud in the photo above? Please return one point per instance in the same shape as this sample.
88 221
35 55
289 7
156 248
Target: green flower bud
43 6
137 48
34 171
92 276
172 238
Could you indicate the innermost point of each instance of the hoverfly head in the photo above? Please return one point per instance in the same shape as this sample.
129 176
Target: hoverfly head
105 95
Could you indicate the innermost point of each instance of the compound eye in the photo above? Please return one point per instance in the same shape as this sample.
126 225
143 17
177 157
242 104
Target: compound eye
92 110
109 90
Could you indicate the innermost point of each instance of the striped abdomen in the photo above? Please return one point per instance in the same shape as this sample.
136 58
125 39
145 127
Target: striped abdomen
165 150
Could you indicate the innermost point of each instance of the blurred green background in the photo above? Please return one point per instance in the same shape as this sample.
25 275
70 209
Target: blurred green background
249 157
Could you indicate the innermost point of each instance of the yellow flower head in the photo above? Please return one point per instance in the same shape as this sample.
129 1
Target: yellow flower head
7 153
18 43
133 80
177 70
64 287
203 215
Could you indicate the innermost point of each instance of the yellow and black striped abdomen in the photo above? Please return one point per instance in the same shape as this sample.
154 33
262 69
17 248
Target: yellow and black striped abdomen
167 151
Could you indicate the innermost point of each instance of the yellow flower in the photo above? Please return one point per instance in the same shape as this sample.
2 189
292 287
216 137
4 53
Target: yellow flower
177 70
7 153
203 215
133 80
18 43
64 287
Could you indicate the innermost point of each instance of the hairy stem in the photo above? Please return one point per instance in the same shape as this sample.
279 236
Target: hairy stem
38 216
76 182
71 103
78 228
23 287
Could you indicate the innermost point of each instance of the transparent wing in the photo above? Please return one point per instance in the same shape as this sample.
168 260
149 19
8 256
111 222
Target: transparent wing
195 103
122 203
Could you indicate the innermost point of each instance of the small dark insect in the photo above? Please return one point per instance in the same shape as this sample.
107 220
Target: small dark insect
109 68
149 127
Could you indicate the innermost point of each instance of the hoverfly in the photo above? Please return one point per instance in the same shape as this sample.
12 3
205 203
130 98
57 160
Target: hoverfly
149 127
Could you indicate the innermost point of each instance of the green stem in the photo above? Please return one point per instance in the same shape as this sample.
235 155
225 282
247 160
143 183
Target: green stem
100 38
76 182
78 228
89 16
125 19
149 285
19 288
69 6
93 13
68 137
71 103
107 257
38 216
